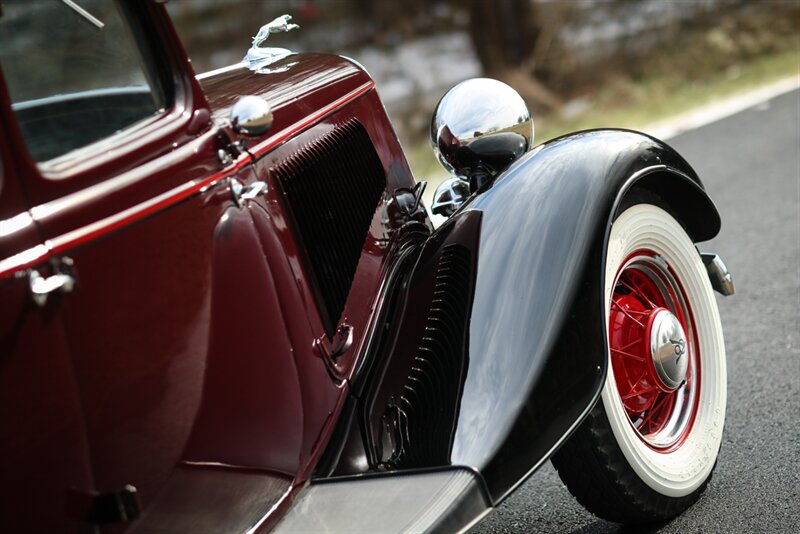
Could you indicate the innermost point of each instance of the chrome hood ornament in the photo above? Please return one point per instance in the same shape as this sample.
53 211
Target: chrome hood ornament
258 57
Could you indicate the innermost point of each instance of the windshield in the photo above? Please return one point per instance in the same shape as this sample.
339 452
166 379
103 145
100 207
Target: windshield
74 71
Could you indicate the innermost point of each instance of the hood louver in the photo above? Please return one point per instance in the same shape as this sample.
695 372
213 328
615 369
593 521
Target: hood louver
332 188
423 418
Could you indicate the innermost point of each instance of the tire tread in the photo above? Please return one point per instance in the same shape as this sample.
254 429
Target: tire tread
597 474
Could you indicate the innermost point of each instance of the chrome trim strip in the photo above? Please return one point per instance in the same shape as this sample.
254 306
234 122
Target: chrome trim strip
26 258
192 463
222 70
15 224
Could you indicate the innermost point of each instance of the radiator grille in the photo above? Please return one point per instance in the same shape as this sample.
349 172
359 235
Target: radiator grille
332 188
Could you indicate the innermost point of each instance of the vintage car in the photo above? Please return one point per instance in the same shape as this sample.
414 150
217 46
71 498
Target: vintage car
224 308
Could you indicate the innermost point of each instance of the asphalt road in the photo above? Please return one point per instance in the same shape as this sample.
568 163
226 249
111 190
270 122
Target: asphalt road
750 163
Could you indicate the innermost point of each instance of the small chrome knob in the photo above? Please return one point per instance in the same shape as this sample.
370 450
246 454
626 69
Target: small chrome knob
251 116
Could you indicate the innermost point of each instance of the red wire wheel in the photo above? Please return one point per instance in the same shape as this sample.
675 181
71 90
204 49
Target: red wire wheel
648 448
654 355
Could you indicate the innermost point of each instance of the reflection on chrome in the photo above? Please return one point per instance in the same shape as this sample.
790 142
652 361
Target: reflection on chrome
24 259
15 224
479 128
668 345
258 57
251 116
449 196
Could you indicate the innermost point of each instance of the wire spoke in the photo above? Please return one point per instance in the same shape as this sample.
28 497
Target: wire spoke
628 354
639 293
652 411
623 310
636 383
637 393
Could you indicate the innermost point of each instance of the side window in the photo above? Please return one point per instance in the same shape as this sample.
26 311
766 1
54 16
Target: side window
74 71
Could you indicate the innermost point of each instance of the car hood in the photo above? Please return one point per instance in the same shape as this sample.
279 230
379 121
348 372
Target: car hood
295 87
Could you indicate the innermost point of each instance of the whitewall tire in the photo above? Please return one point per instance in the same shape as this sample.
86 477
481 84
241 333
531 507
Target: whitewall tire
648 448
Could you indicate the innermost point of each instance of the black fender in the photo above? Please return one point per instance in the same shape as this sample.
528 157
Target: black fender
537 334
496 349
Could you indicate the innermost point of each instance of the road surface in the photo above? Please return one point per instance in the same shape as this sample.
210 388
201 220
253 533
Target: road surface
750 164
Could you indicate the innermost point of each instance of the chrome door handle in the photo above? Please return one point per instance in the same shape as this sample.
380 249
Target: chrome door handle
41 287
241 193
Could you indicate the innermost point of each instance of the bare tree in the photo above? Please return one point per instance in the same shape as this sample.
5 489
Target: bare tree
511 41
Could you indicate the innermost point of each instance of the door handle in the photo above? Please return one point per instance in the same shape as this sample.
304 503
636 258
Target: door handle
42 287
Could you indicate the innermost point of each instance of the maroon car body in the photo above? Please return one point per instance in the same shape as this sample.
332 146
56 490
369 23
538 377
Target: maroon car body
157 359
207 344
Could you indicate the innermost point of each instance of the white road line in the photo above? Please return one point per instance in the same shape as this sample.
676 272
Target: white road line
719 110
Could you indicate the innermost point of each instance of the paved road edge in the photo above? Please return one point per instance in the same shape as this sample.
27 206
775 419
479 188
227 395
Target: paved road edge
690 120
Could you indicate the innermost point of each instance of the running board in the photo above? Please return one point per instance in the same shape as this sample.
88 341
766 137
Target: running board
450 499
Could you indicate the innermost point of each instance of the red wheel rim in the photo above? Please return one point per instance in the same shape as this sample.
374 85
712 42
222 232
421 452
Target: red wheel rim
661 413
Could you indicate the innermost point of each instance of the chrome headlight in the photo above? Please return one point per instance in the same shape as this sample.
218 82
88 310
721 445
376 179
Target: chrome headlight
479 128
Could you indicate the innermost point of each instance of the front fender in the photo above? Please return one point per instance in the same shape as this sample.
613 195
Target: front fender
494 347
536 331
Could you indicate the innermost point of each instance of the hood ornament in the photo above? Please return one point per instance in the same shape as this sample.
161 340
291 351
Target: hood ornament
279 25
259 57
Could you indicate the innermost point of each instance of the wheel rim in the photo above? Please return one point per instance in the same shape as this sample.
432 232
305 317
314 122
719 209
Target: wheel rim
654 351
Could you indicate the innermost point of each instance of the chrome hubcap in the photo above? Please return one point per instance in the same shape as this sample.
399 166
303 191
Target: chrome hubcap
668 349
654 356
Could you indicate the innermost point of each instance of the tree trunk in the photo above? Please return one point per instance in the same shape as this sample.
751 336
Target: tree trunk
504 34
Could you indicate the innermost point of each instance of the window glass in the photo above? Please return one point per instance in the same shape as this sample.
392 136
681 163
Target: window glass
74 72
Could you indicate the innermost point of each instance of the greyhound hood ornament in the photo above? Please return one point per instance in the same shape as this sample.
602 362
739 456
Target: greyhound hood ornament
258 57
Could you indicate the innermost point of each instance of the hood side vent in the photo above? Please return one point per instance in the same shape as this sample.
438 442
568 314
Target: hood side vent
332 188
421 423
